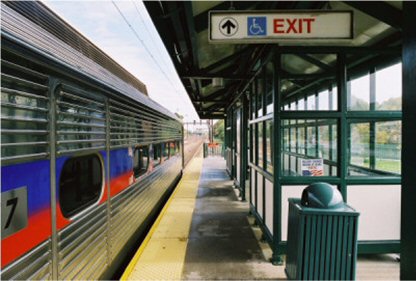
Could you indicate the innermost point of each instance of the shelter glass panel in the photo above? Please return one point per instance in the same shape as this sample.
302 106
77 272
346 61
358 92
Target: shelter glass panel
259 93
311 140
359 93
301 140
269 145
253 101
334 97
311 102
260 145
359 146
388 88
293 138
309 148
269 87
254 144
301 104
388 146
324 100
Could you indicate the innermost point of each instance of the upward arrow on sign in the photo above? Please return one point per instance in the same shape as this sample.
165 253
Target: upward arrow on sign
229 26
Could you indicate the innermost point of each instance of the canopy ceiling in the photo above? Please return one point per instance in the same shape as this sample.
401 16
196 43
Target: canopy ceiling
183 27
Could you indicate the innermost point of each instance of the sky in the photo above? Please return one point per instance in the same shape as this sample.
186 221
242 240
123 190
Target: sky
140 50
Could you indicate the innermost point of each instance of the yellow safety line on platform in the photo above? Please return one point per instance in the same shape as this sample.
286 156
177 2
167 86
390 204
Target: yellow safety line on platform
162 253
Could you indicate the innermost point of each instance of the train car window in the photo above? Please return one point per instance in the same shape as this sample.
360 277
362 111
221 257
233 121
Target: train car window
140 161
80 184
165 154
172 148
178 147
156 154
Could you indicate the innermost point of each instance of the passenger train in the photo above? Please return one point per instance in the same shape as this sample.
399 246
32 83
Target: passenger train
87 157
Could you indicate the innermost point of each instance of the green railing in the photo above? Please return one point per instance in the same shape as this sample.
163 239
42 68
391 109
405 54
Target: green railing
213 149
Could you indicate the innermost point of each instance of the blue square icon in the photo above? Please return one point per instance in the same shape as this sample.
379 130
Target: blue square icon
256 26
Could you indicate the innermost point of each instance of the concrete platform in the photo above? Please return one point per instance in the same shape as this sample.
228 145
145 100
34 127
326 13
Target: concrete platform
221 242
206 234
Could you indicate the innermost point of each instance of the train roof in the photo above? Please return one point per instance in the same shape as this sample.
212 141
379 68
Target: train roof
36 26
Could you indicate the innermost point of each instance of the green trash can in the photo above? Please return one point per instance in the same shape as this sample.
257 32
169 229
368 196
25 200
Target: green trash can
322 236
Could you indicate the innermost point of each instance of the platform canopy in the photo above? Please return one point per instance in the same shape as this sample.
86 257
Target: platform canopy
213 74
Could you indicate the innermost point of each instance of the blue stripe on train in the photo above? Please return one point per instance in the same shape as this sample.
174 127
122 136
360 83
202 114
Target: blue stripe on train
35 176
120 162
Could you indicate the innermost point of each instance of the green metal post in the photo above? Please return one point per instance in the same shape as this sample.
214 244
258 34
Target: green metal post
331 129
264 148
251 150
408 153
276 256
244 146
343 126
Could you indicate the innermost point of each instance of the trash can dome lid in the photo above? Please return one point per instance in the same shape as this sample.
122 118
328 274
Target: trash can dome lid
321 195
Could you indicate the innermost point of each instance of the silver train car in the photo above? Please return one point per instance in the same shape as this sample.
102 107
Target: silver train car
86 157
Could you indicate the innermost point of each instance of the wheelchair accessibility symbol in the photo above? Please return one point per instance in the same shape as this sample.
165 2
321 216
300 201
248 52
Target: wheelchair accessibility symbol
256 26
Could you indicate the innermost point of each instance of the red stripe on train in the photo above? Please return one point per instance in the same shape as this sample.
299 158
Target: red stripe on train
39 225
121 183
37 231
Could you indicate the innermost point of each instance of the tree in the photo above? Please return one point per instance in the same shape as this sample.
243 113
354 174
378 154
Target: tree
218 129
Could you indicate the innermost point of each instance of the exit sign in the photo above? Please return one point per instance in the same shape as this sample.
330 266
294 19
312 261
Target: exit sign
277 26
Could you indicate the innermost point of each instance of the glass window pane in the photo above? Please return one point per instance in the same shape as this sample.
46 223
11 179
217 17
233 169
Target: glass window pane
260 96
165 152
324 142
301 104
311 141
80 184
269 87
301 140
172 149
311 102
324 100
253 106
260 145
286 140
255 147
270 108
313 160
388 146
293 139
334 98
333 143
269 134
140 161
359 146
358 97
388 88
156 154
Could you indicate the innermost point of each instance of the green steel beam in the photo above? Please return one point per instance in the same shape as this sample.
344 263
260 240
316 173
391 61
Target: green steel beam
244 146
379 10
315 61
276 256
342 156
241 53
338 50
408 153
